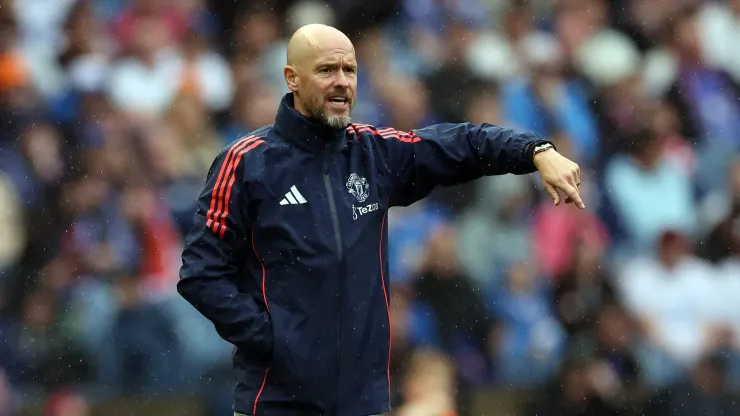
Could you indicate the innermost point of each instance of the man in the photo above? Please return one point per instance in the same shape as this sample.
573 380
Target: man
288 252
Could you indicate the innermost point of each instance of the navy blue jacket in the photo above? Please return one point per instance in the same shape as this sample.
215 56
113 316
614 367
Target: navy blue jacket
288 252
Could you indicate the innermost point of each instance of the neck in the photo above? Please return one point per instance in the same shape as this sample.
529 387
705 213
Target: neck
293 123
298 105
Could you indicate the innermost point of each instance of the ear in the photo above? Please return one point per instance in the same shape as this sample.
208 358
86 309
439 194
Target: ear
291 77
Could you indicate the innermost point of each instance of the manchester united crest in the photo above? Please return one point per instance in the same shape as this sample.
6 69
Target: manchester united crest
358 187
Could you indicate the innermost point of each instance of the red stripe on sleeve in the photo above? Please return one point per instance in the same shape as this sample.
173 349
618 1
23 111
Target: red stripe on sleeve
408 137
215 193
220 217
370 129
390 133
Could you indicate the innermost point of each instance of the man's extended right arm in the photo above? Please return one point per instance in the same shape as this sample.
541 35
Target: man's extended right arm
214 257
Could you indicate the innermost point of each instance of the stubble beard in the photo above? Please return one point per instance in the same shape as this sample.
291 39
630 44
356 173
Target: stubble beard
316 109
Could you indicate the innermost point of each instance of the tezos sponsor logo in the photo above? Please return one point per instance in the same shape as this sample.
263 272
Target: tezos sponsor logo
358 211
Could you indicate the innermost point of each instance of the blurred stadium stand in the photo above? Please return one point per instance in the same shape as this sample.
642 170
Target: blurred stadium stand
111 112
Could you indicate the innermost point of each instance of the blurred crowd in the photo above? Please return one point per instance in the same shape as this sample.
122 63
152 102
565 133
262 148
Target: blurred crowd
111 112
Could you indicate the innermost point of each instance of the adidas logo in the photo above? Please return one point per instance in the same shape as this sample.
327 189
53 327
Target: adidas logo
293 197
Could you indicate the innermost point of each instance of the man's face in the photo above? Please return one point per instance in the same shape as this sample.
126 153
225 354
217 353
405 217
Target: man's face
327 86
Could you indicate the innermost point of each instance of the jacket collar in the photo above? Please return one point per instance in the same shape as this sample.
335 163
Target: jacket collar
309 134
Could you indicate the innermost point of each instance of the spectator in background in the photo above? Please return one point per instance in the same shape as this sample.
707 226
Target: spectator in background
726 316
108 109
558 235
35 170
495 231
204 73
198 14
666 126
642 20
409 333
9 403
530 339
142 13
155 236
611 63
147 352
719 29
39 23
579 23
573 393
428 385
407 103
85 39
156 69
484 107
66 402
15 79
670 294
41 148
662 188
704 392
721 246
705 96
84 59
721 214
146 81
374 49
99 234
252 106
409 229
543 100
582 290
257 41
198 139
618 370
463 326
451 83
43 342
13 234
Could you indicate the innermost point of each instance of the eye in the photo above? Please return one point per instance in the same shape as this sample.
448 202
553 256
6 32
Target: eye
325 69
351 70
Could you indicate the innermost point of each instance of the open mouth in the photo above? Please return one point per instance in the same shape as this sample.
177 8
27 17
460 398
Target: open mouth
339 101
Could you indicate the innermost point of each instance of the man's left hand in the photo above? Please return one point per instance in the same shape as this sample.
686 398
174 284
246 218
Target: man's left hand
559 174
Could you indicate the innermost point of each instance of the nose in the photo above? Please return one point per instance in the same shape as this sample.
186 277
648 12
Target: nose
341 80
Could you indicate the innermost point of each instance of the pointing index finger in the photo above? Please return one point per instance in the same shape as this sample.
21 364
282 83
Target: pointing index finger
573 195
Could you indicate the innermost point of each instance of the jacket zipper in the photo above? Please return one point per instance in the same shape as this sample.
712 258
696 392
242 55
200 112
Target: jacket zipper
340 254
333 209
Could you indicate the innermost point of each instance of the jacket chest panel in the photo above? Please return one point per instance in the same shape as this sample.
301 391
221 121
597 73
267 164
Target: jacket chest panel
314 209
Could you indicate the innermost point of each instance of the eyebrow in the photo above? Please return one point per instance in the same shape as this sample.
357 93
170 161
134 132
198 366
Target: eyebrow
334 63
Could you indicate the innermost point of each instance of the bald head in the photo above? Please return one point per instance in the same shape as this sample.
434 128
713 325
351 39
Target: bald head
309 40
322 73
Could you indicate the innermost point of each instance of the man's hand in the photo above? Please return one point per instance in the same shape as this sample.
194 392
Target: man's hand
559 174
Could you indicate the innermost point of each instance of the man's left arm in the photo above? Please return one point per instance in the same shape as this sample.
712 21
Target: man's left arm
450 154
